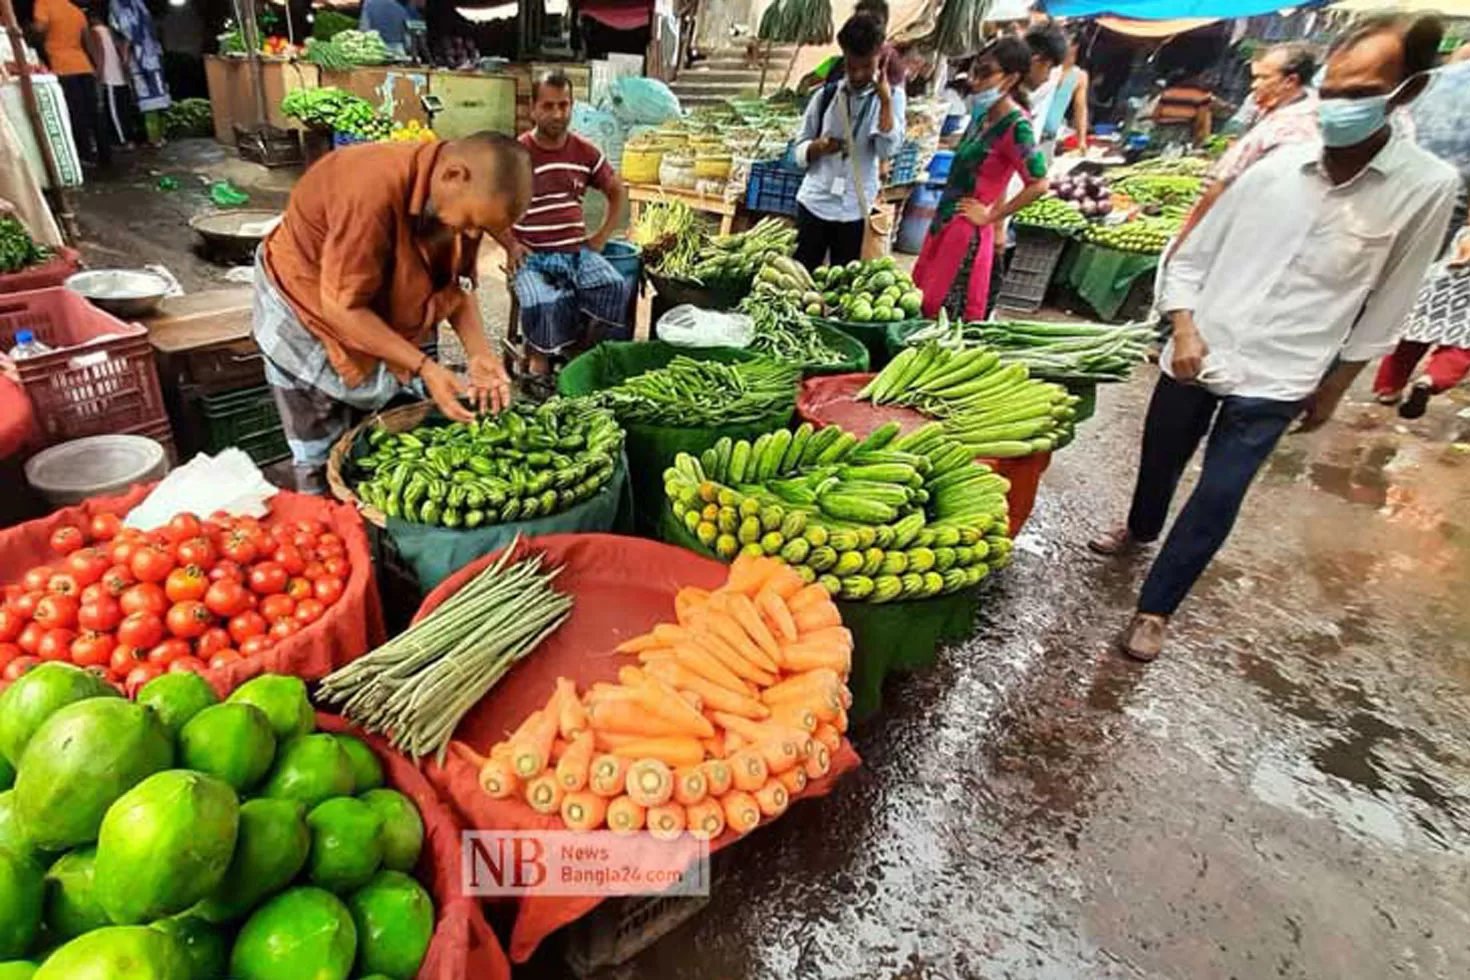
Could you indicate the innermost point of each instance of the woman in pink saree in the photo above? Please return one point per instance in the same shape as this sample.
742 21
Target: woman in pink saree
953 268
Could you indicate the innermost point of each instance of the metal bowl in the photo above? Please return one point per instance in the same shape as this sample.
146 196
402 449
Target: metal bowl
121 292
232 236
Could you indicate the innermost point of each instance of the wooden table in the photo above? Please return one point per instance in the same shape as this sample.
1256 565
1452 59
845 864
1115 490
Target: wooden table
640 194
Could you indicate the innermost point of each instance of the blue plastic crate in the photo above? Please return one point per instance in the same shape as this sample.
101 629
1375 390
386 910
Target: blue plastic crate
341 139
772 188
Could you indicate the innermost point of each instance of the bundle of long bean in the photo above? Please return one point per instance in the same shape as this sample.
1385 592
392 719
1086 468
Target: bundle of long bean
415 688
693 393
1055 351
784 331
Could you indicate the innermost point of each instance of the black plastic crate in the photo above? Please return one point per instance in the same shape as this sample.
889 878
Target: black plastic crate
1033 264
248 419
772 188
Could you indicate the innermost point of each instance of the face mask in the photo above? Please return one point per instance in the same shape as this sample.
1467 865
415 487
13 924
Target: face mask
983 100
1347 122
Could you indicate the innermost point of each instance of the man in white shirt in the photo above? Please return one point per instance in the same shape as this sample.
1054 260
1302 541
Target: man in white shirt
1300 274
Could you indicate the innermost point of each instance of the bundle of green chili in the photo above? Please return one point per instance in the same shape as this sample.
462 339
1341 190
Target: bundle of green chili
783 330
692 393
415 688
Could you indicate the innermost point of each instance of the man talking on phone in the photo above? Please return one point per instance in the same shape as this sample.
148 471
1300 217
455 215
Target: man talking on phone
850 124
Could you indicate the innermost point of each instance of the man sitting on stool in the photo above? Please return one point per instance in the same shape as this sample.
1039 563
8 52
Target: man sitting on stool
561 280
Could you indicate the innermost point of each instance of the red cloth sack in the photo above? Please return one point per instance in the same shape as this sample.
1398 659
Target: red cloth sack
623 587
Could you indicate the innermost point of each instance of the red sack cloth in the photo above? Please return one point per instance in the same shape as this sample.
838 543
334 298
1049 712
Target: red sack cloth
623 587
832 400
17 420
463 944
351 627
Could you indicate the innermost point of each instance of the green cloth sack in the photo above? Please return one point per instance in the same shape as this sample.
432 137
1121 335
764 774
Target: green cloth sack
855 358
896 337
887 637
874 337
1104 276
434 553
651 448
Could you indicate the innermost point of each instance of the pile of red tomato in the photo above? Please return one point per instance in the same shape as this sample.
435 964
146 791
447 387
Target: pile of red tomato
189 595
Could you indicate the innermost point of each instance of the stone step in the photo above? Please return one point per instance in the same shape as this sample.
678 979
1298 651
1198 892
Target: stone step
717 90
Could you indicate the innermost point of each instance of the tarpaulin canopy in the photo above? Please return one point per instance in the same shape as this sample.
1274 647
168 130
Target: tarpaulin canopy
1167 9
1154 28
622 15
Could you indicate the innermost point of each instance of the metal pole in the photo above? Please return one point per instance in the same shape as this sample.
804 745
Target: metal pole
68 220
250 37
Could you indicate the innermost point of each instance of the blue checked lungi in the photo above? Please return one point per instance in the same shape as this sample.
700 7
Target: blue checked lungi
556 290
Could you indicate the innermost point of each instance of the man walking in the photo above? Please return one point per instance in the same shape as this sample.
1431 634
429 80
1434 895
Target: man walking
1300 274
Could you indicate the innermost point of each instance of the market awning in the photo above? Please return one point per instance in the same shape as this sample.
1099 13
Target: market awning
622 15
1446 8
1154 28
1173 9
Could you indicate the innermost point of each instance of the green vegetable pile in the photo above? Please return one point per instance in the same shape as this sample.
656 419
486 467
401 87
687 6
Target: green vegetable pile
781 306
1054 351
1145 235
327 24
529 461
1162 189
734 259
875 291
326 55
888 517
995 410
671 238
360 47
180 837
689 393
1051 212
188 118
17 249
416 687
1157 166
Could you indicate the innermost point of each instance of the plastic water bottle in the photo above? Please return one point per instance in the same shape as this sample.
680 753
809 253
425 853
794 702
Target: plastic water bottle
26 345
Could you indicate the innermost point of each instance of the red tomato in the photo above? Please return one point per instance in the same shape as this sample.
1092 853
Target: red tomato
337 566
186 583
283 628
224 658
212 641
227 568
209 527
278 606
102 613
8 652
267 578
55 644
246 625
37 578
144 597
168 651
239 547
11 623
328 589
187 665
123 550
64 583
30 637
299 588
117 579
140 629
226 598
151 564
55 611
123 659
289 558
24 605
256 644
138 676
197 551
104 527
314 570
309 611
66 539
304 540
87 565
182 527
92 593
92 649
189 619
17 667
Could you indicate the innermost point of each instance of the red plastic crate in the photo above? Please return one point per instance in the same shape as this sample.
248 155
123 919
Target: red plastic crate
100 376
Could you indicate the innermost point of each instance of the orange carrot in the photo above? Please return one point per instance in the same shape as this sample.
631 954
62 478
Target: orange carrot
657 653
687 601
749 769
732 659
690 784
773 607
690 698
607 741
664 701
793 779
841 723
748 618
713 695
498 778
812 656
624 816
742 812
571 719
828 736
669 634
785 582
748 574
763 731
638 644
632 716
544 793
714 747
608 775
730 625
810 597
798 686
673 750
794 714
819 763
718 776
650 783
558 749
583 810
706 819
666 822
572 768
837 636
772 798
530 752
703 663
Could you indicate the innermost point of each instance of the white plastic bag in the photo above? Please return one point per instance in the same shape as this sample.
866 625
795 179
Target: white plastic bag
230 482
690 326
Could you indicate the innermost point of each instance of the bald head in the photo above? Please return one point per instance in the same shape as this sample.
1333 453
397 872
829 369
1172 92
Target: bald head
1380 54
482 183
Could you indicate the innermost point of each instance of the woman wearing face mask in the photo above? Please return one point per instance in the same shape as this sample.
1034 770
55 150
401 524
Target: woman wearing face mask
953 269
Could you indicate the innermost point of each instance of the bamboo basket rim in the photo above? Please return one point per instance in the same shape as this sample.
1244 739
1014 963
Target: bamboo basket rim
395 420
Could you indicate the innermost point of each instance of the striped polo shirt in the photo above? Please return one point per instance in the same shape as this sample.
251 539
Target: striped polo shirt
554 220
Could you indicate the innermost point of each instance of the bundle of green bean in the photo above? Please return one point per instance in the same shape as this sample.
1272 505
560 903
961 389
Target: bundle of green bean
671 238
690 393
1055 351
415 688
735 258
783 330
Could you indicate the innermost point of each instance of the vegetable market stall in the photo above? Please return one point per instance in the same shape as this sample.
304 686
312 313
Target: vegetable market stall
1105 278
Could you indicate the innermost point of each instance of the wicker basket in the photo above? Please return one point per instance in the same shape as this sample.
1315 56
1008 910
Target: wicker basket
395 420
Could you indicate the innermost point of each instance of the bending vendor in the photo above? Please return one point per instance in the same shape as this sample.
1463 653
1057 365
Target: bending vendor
377 247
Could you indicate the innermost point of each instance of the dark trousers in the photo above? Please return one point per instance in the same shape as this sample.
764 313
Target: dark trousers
1242 433
87 125
816 238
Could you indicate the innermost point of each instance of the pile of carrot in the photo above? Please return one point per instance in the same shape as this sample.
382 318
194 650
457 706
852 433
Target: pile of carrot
730 712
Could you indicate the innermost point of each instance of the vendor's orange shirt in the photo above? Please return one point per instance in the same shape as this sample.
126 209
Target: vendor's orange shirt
355 233
64 26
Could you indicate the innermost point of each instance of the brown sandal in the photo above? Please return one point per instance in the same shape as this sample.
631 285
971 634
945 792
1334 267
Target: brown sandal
1143 640
1114 542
